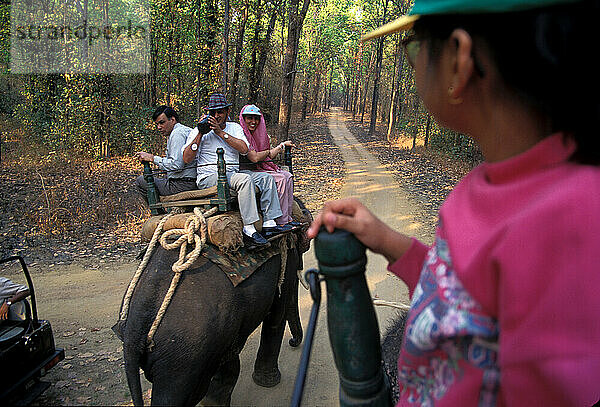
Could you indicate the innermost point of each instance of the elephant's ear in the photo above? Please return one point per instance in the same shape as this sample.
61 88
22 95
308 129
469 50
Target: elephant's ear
301 214
118 329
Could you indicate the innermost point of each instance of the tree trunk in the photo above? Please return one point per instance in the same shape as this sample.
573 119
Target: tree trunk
254 47
427 129
239 44
316 90
395 87
365 89
305 90
225 55
330 87
256 79
296 20
375 99
416 119
357 79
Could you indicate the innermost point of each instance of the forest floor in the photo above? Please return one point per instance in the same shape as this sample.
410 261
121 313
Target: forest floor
77 223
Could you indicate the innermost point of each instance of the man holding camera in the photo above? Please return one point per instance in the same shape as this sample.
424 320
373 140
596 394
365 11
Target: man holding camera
230 137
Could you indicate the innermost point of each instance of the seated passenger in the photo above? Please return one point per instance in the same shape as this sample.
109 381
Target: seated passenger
180 176
10 293
261 153
230 137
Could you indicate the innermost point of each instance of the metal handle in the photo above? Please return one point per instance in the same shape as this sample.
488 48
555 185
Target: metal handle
151 193
287 158
312 277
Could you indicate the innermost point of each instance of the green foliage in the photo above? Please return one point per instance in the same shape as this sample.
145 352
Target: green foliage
90 114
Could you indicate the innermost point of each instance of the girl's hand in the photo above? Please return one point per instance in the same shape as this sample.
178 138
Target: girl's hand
351 215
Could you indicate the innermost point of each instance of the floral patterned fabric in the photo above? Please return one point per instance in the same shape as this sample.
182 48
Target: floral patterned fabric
446 329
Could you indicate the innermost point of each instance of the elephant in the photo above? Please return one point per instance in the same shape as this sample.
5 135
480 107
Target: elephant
195 353
390 349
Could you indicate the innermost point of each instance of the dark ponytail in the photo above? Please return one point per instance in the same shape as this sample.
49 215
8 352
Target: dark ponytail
547 56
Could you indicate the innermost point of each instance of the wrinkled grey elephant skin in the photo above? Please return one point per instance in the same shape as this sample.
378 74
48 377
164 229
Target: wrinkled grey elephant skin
197 345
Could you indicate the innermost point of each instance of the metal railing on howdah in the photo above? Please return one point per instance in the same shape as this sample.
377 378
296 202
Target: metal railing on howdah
223 200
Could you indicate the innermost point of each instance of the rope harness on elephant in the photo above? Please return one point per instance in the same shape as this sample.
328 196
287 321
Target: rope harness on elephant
283 249
187 235
195 232
184 237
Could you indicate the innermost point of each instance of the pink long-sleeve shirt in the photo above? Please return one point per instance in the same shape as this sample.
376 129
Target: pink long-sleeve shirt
505 305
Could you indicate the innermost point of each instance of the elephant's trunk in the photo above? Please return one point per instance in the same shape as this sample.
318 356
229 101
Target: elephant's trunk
132 371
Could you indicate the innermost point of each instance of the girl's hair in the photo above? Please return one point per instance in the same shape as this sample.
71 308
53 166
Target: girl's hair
546 55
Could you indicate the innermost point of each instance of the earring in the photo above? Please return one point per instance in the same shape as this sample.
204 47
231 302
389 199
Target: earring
451 99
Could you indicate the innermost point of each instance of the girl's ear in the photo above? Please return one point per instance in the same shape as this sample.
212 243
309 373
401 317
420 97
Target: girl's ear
461 51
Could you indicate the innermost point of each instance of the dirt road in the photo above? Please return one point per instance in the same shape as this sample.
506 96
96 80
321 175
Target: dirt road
374 185
83 304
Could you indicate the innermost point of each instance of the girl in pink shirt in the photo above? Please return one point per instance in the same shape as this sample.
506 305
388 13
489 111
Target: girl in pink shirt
504 304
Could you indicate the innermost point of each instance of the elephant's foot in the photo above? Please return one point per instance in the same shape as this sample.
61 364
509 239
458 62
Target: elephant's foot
267 378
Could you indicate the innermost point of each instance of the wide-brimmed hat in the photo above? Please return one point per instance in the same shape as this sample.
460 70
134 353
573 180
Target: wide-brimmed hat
252 110
217 101
430 7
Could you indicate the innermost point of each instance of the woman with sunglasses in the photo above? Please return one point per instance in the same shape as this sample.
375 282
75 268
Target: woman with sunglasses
504 304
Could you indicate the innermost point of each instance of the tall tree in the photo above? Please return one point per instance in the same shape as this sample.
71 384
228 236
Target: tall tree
375 99
225 54
207 38
239 45
259 66
255 44
395 86
295 21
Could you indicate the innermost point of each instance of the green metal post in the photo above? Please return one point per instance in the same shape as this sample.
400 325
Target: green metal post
224 197
152 194
287 158
351 319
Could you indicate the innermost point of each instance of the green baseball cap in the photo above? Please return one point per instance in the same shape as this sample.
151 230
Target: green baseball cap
429 7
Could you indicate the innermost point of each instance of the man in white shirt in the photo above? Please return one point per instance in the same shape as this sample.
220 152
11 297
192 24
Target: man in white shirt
180 176
230 137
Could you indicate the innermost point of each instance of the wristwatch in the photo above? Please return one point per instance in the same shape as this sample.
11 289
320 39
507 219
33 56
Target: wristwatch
194 147
9 303
225 136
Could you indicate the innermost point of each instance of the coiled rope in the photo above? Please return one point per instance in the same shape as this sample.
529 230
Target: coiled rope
186 236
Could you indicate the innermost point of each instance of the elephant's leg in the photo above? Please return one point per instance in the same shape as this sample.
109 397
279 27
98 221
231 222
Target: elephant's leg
266 371
222 383
293 317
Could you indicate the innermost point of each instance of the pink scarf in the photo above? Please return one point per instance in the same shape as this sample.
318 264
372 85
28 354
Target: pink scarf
259 141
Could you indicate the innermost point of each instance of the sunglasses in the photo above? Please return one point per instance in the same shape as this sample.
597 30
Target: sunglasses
411 46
